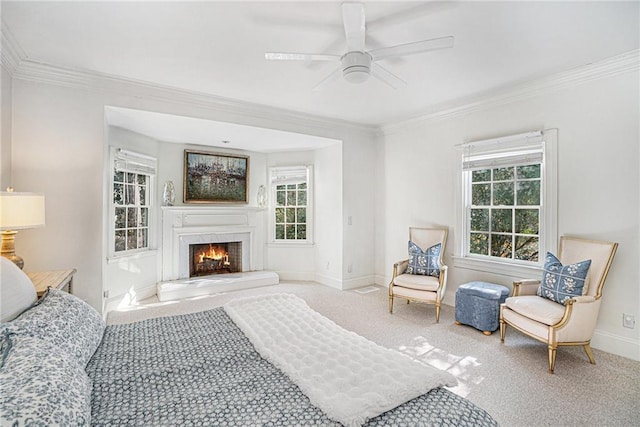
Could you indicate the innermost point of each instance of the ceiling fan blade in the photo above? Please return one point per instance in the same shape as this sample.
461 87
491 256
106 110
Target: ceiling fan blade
354 25
374 43
335 75
412 48
291 56
386 76
336 45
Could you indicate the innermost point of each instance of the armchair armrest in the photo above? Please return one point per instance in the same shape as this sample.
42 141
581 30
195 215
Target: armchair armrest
400 267
584 299
525 287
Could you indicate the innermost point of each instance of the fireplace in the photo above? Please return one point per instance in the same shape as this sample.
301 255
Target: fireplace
238 231
213 253
215 258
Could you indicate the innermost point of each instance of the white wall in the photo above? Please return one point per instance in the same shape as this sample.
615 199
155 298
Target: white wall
130 278
360 192
320 260
171 166
58 148
291 262
598 178
329 202
5 129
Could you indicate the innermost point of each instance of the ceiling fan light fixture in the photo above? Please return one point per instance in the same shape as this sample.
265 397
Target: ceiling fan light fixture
358 64
356 75
356 67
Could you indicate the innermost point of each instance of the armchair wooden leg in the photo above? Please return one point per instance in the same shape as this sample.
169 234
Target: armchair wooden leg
503 330
391 304
552 358
437 313
587 349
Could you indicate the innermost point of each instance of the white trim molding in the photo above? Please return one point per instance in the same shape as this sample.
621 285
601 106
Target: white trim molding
15 60
358 282
619 64
11 53
616 344
40 72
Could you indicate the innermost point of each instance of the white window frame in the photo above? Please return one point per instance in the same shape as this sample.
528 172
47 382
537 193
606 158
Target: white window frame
129 161
286 175
548 234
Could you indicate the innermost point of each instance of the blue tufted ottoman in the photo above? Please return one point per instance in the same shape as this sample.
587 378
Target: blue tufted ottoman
478 305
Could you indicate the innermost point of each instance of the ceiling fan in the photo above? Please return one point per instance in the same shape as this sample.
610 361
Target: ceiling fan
357 64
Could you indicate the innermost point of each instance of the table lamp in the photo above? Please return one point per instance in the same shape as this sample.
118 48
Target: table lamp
18 211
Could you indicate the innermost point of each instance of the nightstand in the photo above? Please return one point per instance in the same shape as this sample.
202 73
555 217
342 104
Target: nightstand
58 279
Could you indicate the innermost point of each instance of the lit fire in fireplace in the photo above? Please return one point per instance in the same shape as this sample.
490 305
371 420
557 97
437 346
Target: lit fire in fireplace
210 259
216 253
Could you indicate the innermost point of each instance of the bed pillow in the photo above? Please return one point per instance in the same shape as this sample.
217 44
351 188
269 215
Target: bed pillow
424 262
560 282
17 290
42 385
65 321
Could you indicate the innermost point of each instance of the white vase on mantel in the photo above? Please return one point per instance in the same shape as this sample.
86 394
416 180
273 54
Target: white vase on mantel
168 194
262 197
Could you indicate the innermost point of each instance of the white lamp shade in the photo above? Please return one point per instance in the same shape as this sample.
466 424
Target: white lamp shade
21 210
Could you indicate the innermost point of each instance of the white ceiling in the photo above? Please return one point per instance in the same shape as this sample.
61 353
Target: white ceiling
179 129
218 47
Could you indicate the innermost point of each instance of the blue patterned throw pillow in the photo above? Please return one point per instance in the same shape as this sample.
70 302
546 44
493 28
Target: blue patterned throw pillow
560 282
424 262
65 321
41 385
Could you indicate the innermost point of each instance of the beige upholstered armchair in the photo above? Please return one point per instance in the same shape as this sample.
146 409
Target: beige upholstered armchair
422 277
554 323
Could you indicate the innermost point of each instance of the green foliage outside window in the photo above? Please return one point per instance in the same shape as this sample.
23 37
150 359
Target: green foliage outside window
131 205
504 219
291 212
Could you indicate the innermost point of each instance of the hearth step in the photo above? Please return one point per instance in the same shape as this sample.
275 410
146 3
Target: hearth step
207 285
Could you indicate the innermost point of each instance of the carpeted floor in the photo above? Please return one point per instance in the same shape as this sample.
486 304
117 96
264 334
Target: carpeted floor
508 380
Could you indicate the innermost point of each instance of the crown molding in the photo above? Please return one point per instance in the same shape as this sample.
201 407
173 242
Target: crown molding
41 72
15 61
11 53
613 66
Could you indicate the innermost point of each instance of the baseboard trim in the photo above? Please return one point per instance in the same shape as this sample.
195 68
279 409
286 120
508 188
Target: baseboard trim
305 276
358 282
382 280
132 296
615 344
296 276
328 281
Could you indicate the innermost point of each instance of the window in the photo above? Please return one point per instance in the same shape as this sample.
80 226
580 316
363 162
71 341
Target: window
291 193
132 185
509 209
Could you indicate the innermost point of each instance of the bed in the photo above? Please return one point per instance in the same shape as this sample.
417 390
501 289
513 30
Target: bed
61 365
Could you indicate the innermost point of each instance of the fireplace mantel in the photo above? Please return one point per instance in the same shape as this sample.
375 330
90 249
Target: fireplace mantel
180 223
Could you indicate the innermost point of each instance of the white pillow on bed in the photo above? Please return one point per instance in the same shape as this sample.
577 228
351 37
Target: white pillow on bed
17 292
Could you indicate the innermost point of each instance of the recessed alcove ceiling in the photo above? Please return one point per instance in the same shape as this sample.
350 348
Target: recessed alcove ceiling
217 48
189 130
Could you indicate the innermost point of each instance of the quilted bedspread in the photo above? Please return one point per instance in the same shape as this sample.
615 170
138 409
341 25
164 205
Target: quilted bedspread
200 369
347 376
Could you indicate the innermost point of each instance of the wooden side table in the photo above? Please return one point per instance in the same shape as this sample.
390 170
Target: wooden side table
58 279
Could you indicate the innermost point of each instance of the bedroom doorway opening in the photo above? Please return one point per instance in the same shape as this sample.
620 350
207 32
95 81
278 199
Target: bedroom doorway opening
215 258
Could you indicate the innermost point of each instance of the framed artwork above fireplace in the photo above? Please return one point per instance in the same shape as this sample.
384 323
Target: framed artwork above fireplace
215 177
